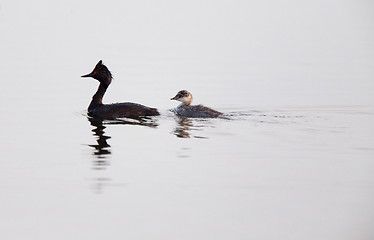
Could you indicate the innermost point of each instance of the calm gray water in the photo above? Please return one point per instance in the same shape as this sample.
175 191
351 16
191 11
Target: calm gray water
292 159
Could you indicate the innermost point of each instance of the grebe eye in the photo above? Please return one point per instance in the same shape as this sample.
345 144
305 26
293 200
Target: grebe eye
95 73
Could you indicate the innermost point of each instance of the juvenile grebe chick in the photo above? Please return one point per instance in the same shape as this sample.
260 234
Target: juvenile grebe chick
185 109
116 110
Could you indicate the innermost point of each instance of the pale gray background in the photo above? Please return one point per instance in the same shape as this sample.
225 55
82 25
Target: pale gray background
294 162
262 52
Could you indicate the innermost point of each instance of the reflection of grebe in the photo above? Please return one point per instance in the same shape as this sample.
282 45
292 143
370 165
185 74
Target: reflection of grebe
102 147
117 110
197 111
102 150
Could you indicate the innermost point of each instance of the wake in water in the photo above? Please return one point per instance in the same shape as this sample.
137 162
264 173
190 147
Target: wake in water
307 119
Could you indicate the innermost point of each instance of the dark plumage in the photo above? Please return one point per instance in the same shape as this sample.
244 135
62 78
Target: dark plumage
116 110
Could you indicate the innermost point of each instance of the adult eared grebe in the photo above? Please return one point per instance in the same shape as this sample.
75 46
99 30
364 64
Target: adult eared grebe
116 110
197 111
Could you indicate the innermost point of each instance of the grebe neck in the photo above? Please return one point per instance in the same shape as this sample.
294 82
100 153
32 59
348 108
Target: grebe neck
98 97
184 104
186 101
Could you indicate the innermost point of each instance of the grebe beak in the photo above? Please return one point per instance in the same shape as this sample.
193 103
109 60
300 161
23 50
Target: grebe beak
88 75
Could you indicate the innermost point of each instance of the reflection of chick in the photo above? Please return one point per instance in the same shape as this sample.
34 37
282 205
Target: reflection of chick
183 127
197 111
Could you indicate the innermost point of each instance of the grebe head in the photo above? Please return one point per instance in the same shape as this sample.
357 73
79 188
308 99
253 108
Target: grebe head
101 73
183 96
